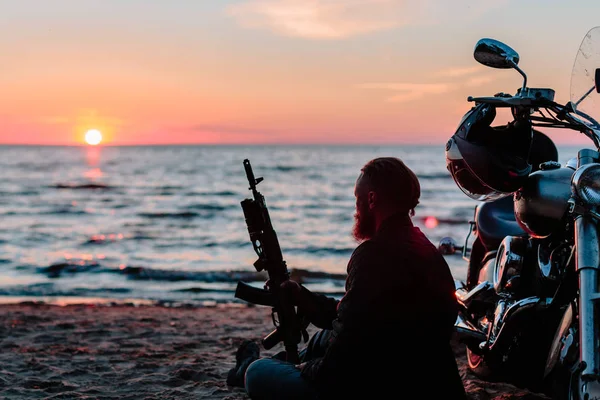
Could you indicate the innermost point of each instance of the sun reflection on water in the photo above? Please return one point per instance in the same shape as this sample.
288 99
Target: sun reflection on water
92 156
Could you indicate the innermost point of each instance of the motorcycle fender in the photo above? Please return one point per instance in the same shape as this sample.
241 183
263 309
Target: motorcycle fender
487 271
558 344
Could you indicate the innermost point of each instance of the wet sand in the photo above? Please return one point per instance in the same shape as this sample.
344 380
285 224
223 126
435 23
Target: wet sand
143 352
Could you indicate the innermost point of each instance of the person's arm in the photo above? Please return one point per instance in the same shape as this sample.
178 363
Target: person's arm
319 309
353 314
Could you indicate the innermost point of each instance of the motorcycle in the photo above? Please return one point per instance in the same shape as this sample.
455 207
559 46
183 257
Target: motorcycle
529 310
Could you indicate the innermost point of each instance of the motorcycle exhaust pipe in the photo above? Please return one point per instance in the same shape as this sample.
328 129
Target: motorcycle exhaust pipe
502 330
482 292
507 323
468 333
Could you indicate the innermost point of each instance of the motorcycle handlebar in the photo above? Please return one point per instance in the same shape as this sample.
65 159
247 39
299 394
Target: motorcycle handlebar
512 101
565 114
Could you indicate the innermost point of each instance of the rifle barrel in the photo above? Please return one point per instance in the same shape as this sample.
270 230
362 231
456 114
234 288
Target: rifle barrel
250 174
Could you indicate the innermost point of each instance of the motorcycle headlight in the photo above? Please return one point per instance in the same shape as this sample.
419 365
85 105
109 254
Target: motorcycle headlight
586 182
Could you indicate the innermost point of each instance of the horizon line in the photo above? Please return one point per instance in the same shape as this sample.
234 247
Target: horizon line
217 144
274 144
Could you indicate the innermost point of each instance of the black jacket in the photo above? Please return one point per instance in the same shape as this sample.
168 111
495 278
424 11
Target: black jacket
392 328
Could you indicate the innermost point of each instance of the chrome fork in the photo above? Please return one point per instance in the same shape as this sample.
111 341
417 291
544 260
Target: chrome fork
587 262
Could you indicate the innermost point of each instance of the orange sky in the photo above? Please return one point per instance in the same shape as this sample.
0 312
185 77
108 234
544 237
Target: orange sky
268 71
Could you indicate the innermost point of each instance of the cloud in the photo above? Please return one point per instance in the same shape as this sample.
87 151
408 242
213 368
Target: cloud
56 120
467 76
458 71
338 19
83 117
409 91
456 78
229 129
319 19
479 80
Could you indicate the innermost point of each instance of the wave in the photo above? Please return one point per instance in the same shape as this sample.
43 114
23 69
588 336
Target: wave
161 215
82 186
223 193
143 273
204 210
100 239
299 275
202 290
64 211
21 193
164 275
285 168
322 250
445 175
170 187
56 270
209 207
49 289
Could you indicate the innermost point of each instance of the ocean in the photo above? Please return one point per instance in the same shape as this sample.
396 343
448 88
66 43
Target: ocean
163 224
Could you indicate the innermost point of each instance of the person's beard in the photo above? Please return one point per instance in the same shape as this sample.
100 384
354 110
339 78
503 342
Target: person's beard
364 223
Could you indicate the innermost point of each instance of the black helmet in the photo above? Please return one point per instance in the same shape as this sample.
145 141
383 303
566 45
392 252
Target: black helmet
488 163
542 150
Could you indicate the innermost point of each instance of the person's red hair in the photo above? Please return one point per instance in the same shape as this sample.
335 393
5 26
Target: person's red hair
394 182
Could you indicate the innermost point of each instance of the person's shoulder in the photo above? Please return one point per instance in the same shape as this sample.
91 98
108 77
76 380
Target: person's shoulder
364 254
366 247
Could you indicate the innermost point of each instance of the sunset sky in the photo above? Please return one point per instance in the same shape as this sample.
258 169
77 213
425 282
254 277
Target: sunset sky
269 71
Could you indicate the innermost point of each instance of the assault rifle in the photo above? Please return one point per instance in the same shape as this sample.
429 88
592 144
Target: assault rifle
289 327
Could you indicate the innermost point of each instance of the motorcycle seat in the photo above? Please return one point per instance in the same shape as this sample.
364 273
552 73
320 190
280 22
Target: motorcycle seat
495 220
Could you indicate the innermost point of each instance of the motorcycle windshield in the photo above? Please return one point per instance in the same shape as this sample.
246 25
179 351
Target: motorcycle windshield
584 72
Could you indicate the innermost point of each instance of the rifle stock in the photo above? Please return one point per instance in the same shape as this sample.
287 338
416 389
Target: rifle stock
254 295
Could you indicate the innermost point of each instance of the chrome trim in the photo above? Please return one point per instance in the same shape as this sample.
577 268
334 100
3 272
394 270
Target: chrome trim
506 316
586 264
572 163
499 317
465 297
508 263
448 246
495 54
466 330
579 174
465 248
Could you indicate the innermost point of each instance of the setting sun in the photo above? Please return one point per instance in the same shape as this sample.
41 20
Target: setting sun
93 137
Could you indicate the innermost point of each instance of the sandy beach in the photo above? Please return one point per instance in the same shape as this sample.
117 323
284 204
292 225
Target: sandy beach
143 352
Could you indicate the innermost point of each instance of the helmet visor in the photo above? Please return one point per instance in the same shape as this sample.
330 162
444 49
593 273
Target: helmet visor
470 184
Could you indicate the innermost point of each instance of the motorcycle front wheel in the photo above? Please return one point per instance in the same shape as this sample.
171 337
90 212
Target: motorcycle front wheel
477 365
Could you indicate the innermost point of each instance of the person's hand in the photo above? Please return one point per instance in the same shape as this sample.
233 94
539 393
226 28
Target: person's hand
300 366
292 288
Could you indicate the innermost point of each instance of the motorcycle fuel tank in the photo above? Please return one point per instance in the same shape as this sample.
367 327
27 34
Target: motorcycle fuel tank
542 202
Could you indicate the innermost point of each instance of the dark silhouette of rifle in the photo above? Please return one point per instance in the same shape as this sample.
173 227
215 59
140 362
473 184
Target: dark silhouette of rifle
289 328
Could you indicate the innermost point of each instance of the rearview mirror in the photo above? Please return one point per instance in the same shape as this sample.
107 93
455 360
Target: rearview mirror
597 80
448 246
495 54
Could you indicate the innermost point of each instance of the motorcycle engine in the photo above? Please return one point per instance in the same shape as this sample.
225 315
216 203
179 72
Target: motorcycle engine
508 265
